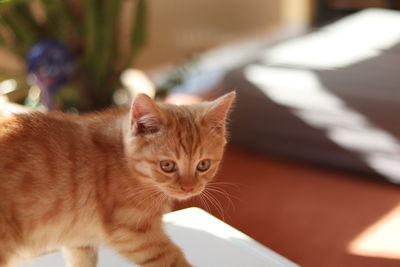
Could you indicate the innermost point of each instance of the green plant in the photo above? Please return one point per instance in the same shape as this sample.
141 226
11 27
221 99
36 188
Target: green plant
89 29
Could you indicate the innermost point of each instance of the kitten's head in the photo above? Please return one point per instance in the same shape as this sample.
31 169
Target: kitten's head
177 149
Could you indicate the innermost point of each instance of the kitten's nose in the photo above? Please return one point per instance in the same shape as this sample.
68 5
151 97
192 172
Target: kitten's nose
187 189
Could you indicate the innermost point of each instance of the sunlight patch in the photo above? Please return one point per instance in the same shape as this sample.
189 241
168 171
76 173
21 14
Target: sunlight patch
343 43
382 239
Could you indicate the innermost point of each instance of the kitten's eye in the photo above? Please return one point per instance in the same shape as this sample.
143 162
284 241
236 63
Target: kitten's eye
204 165
168 165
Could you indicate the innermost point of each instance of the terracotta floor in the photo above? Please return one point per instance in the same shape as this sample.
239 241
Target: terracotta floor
308 214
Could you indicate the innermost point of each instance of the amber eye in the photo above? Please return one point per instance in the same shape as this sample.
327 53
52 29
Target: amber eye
168 165
204 165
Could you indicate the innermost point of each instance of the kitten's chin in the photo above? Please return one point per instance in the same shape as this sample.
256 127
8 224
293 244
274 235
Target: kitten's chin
182 197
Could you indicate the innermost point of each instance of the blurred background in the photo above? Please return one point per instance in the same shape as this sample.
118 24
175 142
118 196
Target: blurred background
313 165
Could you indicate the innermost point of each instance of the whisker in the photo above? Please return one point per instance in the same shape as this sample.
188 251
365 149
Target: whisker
215 203
223 191
219 204
152 193
205 204
224 194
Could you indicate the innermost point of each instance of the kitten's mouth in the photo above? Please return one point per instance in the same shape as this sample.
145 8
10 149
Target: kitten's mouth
180 195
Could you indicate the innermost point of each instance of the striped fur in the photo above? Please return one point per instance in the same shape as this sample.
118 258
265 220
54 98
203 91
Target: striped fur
77 182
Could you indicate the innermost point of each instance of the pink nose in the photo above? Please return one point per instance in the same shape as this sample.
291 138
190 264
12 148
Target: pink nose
187 189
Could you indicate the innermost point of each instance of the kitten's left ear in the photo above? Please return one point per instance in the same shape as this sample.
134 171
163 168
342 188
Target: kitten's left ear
219 109
145 116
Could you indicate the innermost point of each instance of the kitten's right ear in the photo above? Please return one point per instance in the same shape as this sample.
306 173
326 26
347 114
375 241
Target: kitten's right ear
145 116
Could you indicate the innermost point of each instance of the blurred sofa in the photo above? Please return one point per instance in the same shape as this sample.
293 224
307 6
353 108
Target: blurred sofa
330 97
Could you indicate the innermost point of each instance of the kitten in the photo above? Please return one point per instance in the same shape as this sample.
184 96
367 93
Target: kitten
77 182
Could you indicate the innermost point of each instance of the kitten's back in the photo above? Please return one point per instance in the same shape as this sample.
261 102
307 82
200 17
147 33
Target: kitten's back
48 167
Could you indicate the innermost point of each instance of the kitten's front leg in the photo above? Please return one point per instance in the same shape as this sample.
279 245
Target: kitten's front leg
80 256
148 248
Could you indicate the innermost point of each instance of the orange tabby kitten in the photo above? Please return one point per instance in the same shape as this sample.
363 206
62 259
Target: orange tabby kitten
77 182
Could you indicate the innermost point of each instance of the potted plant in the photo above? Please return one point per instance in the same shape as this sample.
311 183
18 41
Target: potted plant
69 49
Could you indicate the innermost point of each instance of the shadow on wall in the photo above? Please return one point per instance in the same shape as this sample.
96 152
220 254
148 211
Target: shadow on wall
330 97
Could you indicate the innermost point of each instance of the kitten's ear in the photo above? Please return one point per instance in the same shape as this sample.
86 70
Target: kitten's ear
219 109
145 116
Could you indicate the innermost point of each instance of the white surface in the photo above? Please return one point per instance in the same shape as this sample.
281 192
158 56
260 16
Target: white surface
206 241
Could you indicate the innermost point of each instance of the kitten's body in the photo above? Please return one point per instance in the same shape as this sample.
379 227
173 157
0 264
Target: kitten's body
76 182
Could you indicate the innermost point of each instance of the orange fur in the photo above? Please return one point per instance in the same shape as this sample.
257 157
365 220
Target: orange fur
77 182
